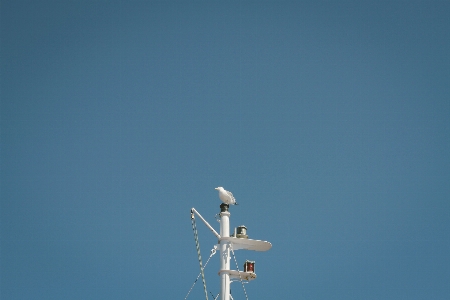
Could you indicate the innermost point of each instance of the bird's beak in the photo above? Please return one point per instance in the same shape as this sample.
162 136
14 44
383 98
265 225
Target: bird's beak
216 188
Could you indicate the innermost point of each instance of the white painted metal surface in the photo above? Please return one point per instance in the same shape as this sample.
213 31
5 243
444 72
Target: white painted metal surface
224 255
247 244
239 275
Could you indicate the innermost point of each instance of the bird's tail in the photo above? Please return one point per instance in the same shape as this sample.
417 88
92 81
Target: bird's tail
235 203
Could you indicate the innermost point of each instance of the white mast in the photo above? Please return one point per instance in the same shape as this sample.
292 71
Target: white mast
224 252
226 244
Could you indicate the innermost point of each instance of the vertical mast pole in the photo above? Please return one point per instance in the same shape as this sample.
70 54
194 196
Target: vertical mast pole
224 252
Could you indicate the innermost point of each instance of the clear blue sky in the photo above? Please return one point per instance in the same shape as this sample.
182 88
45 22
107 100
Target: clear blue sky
328 120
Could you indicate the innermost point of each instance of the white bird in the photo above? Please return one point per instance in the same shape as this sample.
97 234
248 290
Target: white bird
226 196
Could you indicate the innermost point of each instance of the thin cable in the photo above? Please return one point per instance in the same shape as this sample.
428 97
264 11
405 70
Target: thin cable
213 251
237 268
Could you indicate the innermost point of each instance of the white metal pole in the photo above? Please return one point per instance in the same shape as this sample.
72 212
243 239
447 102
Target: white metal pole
224 252
193 210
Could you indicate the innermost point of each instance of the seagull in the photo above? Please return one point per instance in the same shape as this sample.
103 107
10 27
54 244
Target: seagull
226 196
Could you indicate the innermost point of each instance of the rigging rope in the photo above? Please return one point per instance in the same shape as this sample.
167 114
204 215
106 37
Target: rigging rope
197 244
213 251
237 268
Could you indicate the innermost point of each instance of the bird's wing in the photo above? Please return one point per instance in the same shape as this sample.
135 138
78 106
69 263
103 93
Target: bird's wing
230 194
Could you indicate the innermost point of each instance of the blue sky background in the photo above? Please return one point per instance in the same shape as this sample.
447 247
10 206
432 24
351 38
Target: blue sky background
328 120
